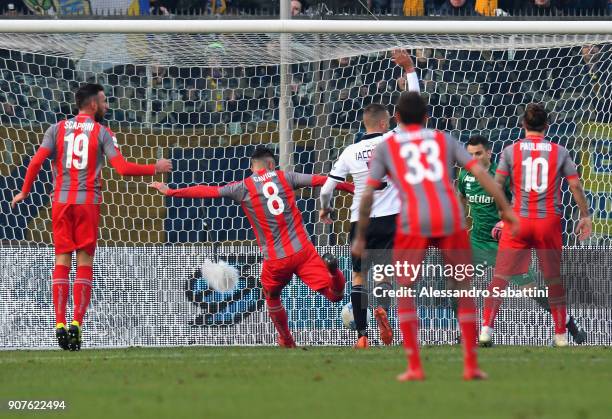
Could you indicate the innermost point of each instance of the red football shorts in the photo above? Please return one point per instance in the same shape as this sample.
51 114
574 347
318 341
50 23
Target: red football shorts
541 234
306 264
75 227
455 248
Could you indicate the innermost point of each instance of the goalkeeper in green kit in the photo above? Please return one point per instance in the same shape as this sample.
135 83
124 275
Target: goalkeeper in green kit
485 217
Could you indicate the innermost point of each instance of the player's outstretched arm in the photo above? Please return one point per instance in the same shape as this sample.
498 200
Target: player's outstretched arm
110 148
31 174
494 189
199 191
585 224
337 174
318 180
126 168
327 192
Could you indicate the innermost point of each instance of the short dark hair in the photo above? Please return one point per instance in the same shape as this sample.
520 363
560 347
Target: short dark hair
374 108
535 117
85 93
412 108
479 140
262 152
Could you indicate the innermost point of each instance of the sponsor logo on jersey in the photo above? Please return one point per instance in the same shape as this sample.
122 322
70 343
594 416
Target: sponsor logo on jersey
480 199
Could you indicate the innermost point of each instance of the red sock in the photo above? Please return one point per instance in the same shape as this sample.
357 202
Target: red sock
467 323
409 325
61 290
491 303
279 318
558 308
81 291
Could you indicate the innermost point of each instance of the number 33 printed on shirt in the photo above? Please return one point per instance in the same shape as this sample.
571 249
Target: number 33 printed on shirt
413 154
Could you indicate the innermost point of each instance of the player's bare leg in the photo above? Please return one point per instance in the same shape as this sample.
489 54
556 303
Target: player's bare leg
61 292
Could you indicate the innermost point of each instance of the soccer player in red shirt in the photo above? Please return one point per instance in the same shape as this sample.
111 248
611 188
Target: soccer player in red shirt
78 146
268 201
420 162
536 168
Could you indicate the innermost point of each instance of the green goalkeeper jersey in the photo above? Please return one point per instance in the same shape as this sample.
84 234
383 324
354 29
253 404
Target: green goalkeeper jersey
482 207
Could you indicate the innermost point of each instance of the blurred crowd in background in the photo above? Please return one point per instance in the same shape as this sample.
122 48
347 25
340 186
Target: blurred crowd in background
466 90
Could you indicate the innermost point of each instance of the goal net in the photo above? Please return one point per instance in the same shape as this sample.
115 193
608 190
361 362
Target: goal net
206 100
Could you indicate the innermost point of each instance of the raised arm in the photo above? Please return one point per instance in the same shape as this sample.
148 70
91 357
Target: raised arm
403 59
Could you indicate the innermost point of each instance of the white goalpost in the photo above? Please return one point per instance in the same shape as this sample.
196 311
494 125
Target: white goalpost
204 93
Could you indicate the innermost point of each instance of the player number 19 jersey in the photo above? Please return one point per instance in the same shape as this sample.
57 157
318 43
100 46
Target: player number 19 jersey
78 146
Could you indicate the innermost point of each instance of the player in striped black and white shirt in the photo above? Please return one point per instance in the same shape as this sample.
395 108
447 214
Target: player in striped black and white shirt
354 161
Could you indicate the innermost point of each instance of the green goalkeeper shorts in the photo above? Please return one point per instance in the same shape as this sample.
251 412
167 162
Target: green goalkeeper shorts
485 253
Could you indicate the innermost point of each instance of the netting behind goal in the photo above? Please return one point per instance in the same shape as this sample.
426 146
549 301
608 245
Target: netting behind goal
205 101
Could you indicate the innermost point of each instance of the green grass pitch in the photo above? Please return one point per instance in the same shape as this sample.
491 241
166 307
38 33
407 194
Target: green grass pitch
314 383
